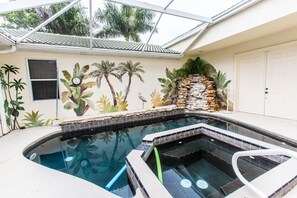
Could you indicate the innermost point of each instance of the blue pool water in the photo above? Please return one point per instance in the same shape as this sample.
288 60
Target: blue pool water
98 157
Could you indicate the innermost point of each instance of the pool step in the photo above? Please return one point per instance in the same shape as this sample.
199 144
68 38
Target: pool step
124 191
231 186
172 181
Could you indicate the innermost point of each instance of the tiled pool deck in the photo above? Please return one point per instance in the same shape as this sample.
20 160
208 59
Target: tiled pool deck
23 178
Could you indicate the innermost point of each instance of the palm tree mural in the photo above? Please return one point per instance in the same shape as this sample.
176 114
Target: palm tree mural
130 69
106 69
124 21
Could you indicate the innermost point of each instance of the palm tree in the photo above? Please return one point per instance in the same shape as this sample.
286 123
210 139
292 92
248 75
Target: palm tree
72 22
105 69
130 69
124 21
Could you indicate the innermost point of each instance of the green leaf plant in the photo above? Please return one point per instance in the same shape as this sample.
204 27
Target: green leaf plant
12 92
221 88
33 119
77 97
157 100
105 105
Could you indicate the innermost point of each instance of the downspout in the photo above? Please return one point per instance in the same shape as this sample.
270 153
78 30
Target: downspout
11 50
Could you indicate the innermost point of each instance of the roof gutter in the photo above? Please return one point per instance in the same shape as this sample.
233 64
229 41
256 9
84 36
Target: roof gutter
11 50
94 51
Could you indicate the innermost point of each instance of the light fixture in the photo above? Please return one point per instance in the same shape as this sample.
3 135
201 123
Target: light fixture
202 184
68 159
185 183
32 156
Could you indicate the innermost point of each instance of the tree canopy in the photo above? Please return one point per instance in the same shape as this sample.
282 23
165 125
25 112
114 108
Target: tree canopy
124 21
111 22
72 22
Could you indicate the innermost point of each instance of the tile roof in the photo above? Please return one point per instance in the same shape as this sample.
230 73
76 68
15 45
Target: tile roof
79 41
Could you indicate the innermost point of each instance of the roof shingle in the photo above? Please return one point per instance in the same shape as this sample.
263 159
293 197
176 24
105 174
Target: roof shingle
79 41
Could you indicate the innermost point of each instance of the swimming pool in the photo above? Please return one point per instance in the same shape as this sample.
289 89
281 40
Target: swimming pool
98 155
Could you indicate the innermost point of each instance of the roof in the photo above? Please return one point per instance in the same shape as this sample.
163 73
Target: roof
79 41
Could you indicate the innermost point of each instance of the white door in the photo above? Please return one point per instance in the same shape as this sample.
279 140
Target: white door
281 82
251 82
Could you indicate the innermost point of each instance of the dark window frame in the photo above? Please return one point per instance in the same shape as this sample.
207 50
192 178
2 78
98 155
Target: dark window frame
42 79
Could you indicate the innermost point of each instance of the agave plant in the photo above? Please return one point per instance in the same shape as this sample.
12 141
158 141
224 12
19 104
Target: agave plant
157 100
221 84
77 97
220 79
105 105
33 119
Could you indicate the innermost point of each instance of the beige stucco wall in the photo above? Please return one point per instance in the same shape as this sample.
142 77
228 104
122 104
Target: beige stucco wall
154 68
224 59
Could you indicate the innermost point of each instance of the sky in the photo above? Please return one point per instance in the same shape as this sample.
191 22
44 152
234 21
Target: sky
170 26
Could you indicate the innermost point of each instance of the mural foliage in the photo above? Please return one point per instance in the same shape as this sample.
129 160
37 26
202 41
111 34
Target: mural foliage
33 119
77 96
13 103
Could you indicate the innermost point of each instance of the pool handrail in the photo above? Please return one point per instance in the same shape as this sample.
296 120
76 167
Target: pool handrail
273 151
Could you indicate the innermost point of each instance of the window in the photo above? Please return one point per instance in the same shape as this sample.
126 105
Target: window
43 78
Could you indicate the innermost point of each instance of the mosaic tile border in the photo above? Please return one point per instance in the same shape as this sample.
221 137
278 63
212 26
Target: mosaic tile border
134 179
243 124
120 119
239 143
142 178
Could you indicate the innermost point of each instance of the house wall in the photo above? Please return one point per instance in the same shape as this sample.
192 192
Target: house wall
224 59
154 68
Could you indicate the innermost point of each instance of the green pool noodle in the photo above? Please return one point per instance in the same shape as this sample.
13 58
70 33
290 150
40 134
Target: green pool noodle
158 162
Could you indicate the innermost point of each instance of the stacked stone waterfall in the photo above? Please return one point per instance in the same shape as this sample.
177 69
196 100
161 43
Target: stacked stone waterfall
197 93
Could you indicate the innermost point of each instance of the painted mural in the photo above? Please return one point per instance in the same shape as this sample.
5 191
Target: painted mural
13 103
77 96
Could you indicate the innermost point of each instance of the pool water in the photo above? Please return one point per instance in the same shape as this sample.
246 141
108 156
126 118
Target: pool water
201 167
97 157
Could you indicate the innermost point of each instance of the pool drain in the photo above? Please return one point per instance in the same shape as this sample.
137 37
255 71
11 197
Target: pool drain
185 183
202 184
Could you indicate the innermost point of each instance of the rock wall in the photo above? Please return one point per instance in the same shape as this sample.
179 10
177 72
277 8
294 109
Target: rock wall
197 93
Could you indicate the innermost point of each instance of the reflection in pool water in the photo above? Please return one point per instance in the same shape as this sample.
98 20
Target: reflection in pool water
98 157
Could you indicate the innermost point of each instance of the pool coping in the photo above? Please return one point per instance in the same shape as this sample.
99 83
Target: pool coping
23 178
237 140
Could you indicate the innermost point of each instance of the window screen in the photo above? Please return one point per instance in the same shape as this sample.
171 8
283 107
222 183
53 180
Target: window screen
43 77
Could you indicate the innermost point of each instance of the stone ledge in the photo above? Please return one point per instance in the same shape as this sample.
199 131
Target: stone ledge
120 118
